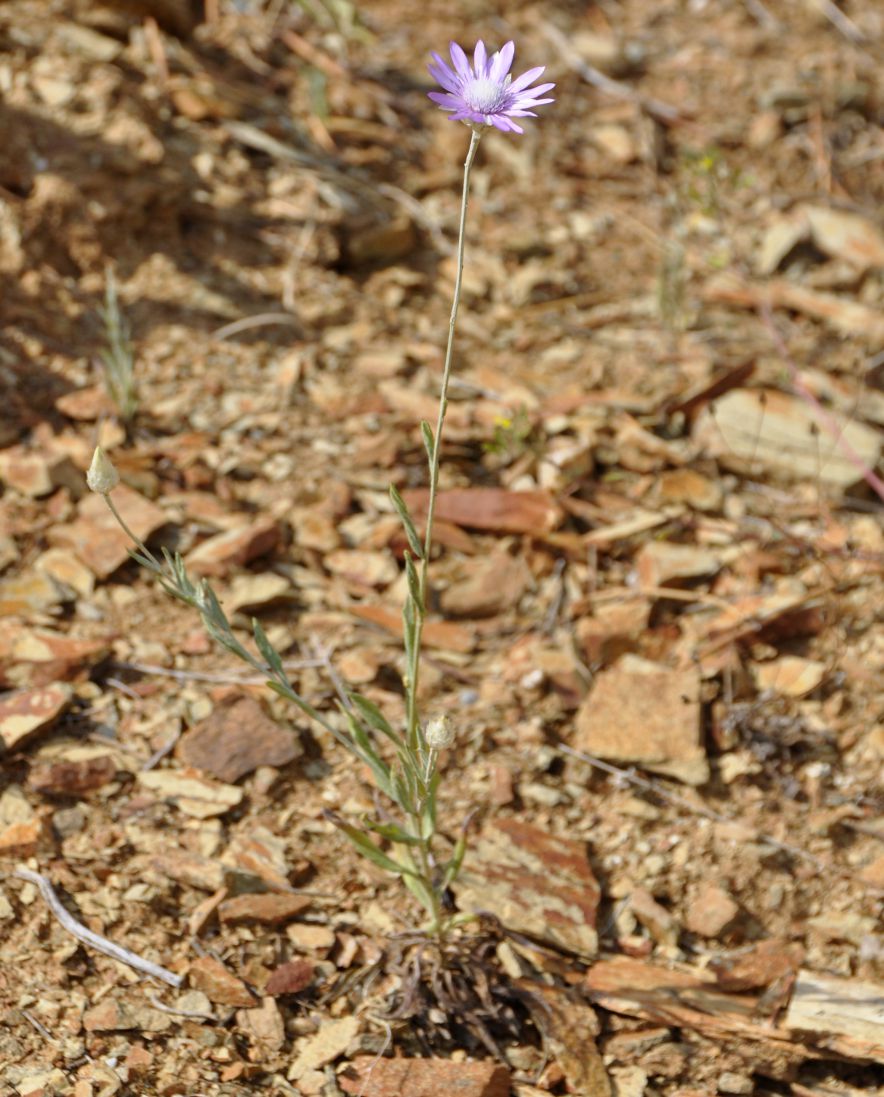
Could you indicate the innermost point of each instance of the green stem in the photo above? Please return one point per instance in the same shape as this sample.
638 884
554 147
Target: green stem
137 540
414 668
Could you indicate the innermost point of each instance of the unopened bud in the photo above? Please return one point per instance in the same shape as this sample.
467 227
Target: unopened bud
102 477
439 733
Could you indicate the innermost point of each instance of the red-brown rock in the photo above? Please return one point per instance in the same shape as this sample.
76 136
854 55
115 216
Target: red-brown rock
238 737
269 908
426 1078
289 978
218 984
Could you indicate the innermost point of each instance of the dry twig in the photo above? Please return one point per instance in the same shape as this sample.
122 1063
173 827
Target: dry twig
95 940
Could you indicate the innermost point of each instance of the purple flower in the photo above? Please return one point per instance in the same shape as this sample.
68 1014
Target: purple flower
485 93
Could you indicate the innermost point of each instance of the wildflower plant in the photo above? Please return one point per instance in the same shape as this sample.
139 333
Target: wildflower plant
403 760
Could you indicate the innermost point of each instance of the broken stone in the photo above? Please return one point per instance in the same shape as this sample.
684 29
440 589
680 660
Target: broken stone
25 839
665 563
328 1044
492 509
36 474
757 965
844 235
26 712
253 592
268 909
113 1015
32 593
41 656
711 911
684 485
445 635
238 737
66 569
190 869
234 548
491 585
290 978
748 429
72 778
264 1028
363 568
260 855
187 790
218 984
790 675
648 714
425 1078
536 883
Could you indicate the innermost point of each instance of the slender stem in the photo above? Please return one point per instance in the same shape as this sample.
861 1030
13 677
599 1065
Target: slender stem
128 532
414 669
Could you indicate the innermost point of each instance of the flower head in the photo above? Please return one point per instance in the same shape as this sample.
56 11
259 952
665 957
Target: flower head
439 733
102 477
485 93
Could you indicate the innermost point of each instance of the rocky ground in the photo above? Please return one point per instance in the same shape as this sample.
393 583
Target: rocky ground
657 601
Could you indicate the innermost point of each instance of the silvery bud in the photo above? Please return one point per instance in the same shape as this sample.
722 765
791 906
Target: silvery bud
102 477
439 733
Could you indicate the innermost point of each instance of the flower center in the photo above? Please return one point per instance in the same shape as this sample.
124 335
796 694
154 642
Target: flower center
484 95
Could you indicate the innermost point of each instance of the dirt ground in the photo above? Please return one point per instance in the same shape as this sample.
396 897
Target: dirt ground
657 604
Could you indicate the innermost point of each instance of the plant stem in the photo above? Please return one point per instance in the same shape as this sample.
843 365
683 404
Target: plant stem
414 669
137 540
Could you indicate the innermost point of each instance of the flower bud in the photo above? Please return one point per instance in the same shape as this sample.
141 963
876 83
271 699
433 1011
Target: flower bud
102 477
439 733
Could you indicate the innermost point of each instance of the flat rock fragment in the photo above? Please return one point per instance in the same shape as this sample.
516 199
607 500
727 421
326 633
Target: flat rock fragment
711 911
267 909
790 675
254 592
666 563
233 548
37 657
535 882
425 1078
494 509
489 585
236 738
264 1027
290 978
844 1015
74 778
218 984
752 429
757 965
187 790
328 1044
648 714
26 712
32 593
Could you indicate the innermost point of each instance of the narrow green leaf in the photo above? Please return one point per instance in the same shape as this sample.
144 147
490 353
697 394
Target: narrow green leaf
373 716
453 867
362 747
410 532
368 849
422 891
268 651
429 443
393 833
414 587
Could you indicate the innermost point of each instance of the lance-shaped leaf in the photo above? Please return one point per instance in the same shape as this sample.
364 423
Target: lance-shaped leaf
373 716
363 748
429 443
414 587
452 868
393 833
410 532
367 847
268 651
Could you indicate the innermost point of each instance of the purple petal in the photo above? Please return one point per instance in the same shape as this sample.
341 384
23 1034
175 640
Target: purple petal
520 104
538 90
525 79
502 62
459 58
445 99
445 77
480 59
521 114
